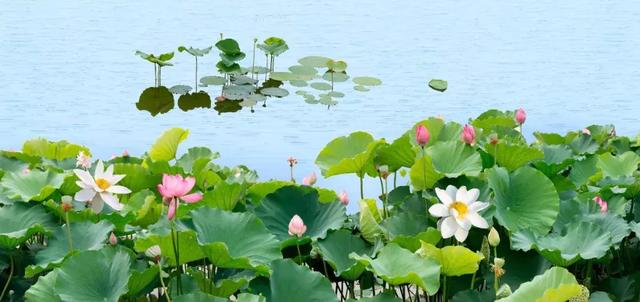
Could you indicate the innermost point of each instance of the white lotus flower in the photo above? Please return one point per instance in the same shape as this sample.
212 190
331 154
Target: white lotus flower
459 211
83 160
98 189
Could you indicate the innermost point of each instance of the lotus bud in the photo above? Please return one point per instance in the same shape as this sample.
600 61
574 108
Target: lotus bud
604 206
586 131
297 226
310 180
422 135
468 135
344 198
521 116
494 237
113 240
383 171
292 161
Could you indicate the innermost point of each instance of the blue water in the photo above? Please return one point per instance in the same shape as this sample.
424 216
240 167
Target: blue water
68 71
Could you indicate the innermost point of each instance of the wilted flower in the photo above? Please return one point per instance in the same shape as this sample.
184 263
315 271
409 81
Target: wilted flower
422 135
98 189
175 188
344 198
310 180
297 226
65 203
494 237
468 135
586 131
497 267
458 211
521 116
604 206
383 171
83 160
113 240
154 252
493 139
292 161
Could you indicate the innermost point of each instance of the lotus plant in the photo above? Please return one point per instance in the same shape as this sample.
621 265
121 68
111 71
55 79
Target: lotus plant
458 211
175 188
422 135
100 188
468 135
297 228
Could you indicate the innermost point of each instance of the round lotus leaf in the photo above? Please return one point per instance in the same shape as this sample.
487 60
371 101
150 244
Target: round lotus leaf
336 248
282 76
367 81
156 100
180 89
238 92
302 69
213 80
336 77
361 88
302 92
455 158
298 83
291 282
556 284
243 80
229 46
314 61
320 86
335 94
337 66
20 222
438 85
349 154
248 103
274 91
310 99
327 100
256 97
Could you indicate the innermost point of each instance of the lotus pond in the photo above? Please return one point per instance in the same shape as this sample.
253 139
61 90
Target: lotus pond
481 215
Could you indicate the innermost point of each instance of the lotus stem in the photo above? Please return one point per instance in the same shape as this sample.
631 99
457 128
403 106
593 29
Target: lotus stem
253 62
6 285
361 187
155 74
299 253
159 76
164 287
473 280
384 199
195 87
444 289
176 253
395 178
424 168
68 227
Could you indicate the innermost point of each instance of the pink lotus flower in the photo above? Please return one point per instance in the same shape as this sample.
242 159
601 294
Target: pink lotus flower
310 180
468 135
521 116
174 188
422 135
113 240
344 198
604 207
297 226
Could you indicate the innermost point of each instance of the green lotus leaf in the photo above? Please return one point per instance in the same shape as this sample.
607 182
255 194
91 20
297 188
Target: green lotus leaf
44 289
166 146
618 166
582 240
224 196
396 155
584 144
524 199
229 46
583 170
36 185
213 80
8 164
396 266
294 283
337 66
493 119
367 81
455 158
189 159
198 297
298 83
138 177
336 77
314 61
550 138
304 70
337 247
438 85
258 191
423 175
196 52
369 220
156 100
94 276
235 240
335 94
361 88
327 100
243 80
274 91
439 130
277 209
180 89
555 285
387 296
454 260
320 86
142 281
189 250
407 224
348 154
599 297
556 159
20 222
513 156
85 236
274 46
283 76
194 100
59 150
244 297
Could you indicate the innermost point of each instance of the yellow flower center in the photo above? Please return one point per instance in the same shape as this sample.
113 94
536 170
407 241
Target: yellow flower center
102 183
461 208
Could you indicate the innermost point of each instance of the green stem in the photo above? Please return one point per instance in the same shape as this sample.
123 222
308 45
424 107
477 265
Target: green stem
424 168
196 80
444 289
587 278
395 178
384 199
473 280
361 187
253 63
164 287
69 242
299 253
176 253
6 285
155 74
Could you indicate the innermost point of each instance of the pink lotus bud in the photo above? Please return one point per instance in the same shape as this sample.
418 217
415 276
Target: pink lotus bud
604 207
113 240
310 180
422 135
586 131
125 153
297 226
521 116
468 135
344 198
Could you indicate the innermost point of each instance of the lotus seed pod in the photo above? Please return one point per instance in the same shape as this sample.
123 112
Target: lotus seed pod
583 296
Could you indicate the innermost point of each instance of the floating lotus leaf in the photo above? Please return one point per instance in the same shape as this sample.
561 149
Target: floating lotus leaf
59 150
310 99
367 81
277 92
191 101
555 285
243 80
283 76
238 92
327 100
180 89
298 83
396 266
336 77
336 248
320 86
256 98
36 185
618 166
314 61
455 158
513 156
294 283
166 146
454 260
213 80
198 52
524 199
361 88
94 276
85 236
304 70
335 94
277 209
438 85
235 240
156 100
20 222
348 154
248 103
